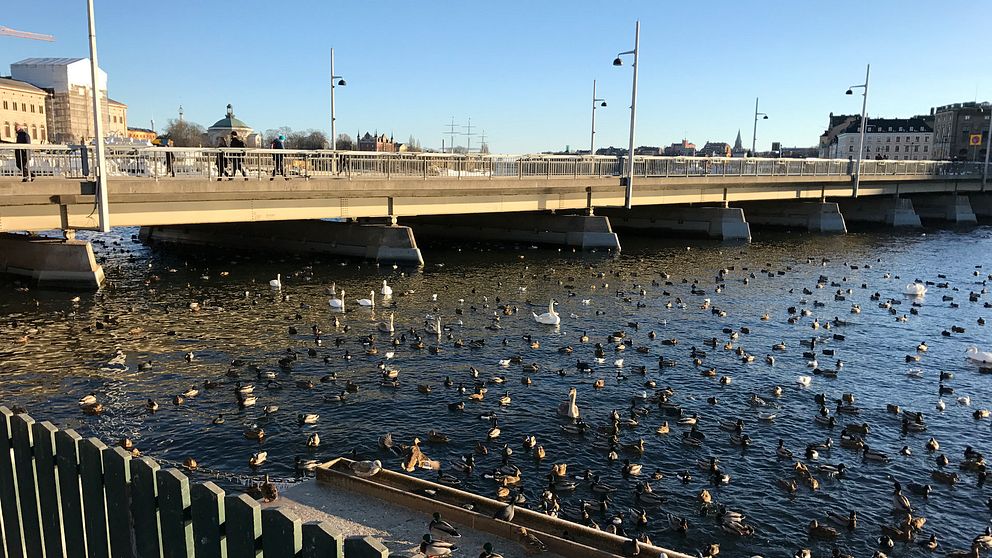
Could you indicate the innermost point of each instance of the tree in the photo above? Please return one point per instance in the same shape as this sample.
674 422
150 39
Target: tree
308 139
413 144
345 143
184 133
272 133
484 149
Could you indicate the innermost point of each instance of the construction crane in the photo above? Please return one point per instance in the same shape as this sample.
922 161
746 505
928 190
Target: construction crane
7 31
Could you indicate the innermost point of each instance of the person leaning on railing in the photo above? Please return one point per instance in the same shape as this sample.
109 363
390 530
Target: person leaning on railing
22 156
278 159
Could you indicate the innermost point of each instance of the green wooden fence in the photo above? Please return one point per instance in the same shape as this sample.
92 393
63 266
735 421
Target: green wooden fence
62 495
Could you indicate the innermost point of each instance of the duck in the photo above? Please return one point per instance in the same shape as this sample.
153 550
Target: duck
663 429
849 521
782 451
899 500
366 468
433 548
441 527
871 455
258 458
821 531
932 445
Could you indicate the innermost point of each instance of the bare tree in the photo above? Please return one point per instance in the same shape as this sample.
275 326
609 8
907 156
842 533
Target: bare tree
345 143
307 139
413 144
184 133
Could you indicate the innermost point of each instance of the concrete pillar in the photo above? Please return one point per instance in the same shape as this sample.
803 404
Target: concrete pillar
364 547
895 212
724 223
981 204
953 208
382 243
587 232
51 262
820 217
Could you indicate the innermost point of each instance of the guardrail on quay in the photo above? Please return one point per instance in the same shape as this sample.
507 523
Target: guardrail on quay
162 163
62 495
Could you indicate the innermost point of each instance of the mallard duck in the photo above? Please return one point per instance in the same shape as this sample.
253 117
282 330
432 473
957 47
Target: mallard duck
307 418
433 548
258 458
313 440
442 528
871 455
849 521
821 531
366 468
899 500
782 451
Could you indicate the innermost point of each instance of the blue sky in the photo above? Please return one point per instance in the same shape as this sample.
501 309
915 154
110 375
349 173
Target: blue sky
523 71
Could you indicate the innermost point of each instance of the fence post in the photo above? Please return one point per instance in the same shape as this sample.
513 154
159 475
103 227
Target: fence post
244 525
8 490
144 508
48 487
117 481
319 541
27 483
173 500
282 533
67 447
207 505
94 503
364 547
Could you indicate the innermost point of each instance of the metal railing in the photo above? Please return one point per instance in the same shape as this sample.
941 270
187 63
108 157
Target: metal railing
262 164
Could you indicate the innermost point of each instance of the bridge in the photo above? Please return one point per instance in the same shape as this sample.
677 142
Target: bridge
378 200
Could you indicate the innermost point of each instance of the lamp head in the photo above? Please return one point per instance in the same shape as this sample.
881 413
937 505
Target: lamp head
617 61
603 104
765 117
342 82
849 92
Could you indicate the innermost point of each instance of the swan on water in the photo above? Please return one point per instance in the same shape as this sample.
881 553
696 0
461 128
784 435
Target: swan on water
804 381
975 355
367 301
915 289
568 408
550 317
386 290
277 282
336 303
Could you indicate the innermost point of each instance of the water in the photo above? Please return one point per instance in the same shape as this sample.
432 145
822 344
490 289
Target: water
144 312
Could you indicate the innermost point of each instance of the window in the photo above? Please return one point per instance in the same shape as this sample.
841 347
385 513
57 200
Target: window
32 108
897 148
926 148
41 109
888 139
900 128
14 105
917 138
916 149
44 136
6 129
886 148
910 128
849 149
34 133
24 107
890 128
5 107
967 117
907 139
897 139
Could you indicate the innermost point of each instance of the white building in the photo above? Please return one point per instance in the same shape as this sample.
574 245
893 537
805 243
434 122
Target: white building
898 139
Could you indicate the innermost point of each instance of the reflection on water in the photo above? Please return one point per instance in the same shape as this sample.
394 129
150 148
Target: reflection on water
54 351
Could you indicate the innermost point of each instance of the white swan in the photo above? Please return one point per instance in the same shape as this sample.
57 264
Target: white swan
277 282
568 408
915 289
979 356
367 301
336 304
804 381
386 290
550 317
387 327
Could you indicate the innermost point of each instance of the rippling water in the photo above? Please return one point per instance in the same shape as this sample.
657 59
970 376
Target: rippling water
144 312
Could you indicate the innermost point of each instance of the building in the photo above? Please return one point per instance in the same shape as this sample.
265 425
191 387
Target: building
738 149
223 128
24 104
141 134
715 149
954 128
885 138
837 124
796 152
69 105
684 149
117 112
377 142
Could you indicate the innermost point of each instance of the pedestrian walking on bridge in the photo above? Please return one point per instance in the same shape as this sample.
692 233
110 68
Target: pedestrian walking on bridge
22 156
237 158
221 158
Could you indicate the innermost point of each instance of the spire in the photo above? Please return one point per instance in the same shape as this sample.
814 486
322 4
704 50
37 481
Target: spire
737 143
230 110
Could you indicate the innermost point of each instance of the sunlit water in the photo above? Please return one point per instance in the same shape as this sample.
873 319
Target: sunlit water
144 311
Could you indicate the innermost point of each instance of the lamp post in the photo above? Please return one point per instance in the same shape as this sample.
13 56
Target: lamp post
101 176
592 135
864 125
754 136
633 111
341 82
988 148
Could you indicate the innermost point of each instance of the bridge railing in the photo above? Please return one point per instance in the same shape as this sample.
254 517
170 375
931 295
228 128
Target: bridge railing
261 164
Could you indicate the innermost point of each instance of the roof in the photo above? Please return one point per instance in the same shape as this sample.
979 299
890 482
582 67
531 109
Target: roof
145 130
48 61
229 123
113 102
22 85
882 125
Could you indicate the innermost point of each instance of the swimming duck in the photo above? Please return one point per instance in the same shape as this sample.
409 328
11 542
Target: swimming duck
433 548
821 531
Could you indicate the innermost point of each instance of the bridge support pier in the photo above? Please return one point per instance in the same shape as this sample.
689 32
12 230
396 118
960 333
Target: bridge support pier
981 204
588 232
819 217
723 223
382 243
51 262
953 208
895 212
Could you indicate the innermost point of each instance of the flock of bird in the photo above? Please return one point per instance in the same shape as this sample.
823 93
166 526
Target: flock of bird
635 507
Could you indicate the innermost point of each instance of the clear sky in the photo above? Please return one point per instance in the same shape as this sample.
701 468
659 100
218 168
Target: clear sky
523 71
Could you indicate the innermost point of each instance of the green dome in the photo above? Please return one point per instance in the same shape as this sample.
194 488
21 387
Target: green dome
230 123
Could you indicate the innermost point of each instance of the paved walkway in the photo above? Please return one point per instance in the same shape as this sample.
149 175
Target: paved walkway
398 528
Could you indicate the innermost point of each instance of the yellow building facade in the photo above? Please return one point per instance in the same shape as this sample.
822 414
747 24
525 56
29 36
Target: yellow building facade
22 104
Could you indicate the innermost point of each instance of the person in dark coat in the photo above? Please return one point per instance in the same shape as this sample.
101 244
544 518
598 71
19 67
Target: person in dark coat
221 159
170 158
237 158
21 156
279 168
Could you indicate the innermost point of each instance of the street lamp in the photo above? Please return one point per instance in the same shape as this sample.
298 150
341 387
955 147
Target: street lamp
633 111
101 176
592 136
341 82
988 148
754 137
864 124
